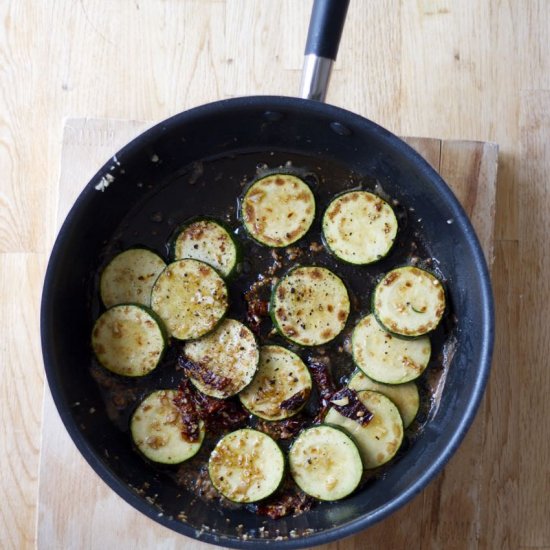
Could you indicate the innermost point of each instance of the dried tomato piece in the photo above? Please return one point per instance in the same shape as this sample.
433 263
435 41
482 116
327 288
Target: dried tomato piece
257 303
348 404
325 387
282 429
256 310
321 375
220 415
185 403
290 502
295 401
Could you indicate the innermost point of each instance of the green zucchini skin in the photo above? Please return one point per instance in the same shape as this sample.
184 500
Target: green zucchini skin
129 340
192 239
359 227
156 429
405 396
281 375
325 463
386 357
246 466
380 439
129 277
231 352
299 308
409 301
191 298
277 209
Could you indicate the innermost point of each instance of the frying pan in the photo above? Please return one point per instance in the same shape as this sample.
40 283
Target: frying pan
195 162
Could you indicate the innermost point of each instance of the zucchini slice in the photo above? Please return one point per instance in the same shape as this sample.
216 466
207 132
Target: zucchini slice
129 277
380 439
208 241
280 388
190 297
156 428
310 305
325 463
405 396
409 301
246 466
227 359
278 209
359 227
128 339
385 357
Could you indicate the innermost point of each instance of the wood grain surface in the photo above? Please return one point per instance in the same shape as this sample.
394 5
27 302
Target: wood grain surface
463 70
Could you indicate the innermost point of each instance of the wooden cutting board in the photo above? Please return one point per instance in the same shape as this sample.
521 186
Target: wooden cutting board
77 510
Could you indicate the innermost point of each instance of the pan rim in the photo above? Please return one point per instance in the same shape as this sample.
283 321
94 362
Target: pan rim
330 112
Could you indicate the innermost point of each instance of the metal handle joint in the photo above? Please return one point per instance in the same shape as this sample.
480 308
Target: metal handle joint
315 77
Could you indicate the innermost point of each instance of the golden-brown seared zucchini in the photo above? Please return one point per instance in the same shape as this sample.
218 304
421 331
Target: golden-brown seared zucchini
405 396
359 227
210 242
325 463
128 339
386 357
409 301
246 466
224 361
190 297
129 277
157 430
281 386
310 305
278 209
380 439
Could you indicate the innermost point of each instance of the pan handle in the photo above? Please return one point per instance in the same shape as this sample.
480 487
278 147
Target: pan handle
323 38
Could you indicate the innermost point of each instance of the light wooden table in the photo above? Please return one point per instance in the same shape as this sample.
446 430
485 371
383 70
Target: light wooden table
439 68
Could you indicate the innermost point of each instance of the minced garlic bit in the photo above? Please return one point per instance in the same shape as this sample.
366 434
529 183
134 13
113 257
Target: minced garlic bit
341 402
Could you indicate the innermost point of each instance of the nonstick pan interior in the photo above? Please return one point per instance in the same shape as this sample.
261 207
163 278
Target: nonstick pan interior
197 162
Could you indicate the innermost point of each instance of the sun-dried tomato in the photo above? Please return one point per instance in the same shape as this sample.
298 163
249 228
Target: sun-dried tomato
220 415
321 375
325 387
290 502
348 404
185 403
256 310
295 401
282 429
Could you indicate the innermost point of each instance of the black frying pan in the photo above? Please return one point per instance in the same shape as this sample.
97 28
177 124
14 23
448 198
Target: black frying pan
196 162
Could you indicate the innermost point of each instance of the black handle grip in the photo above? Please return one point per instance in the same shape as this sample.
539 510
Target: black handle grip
325 27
